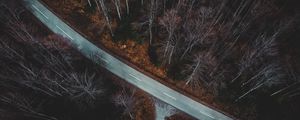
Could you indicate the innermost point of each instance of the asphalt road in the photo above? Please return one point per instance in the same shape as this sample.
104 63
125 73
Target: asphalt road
121 69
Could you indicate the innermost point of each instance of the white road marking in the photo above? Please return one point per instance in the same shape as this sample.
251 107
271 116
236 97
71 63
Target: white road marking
64 32
103 60
79 46
40 11
134 77
169 96
97 59
208 115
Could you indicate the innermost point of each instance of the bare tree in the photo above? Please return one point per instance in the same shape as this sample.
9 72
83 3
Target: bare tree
87 89
117 4
105 12
55 80
202 71
262 47
291 89
16 28
266 76
42 66
152 14
89 2
170 21
127 100
163 110
29 107
169 49
127 7
254 65
198 29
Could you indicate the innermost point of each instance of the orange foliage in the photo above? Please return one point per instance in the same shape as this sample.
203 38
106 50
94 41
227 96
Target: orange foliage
135 53
144 108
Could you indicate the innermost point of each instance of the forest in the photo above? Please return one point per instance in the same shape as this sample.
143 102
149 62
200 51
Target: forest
237 56
43 77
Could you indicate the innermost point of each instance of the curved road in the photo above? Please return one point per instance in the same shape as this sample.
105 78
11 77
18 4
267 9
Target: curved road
121 69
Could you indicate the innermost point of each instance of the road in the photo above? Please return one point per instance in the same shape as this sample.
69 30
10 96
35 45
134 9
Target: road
121 69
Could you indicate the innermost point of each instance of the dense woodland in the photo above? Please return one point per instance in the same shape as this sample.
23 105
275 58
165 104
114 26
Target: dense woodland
242 52
43 78
240 56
